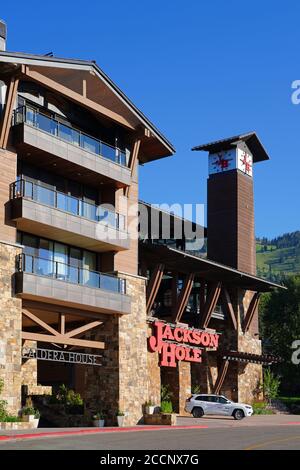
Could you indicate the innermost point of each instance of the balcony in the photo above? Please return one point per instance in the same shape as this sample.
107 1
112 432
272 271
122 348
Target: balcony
69 150
45 212
50 281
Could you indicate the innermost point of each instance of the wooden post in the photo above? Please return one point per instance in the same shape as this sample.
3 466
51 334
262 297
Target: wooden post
133 161
227 304
183 297
153 286
221 376
11 94
251 311
210 304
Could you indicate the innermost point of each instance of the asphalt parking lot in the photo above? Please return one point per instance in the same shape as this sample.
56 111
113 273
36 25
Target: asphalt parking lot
255 433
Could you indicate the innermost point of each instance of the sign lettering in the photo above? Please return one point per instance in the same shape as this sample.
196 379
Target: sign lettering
186 346
61 356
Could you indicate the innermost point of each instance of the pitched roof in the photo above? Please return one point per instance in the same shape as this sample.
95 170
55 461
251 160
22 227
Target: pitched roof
251 139
18 58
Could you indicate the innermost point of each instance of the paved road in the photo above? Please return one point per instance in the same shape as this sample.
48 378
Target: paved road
260 433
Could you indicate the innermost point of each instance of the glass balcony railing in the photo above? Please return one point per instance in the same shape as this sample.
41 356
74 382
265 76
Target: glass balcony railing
65 272
34 117
63 202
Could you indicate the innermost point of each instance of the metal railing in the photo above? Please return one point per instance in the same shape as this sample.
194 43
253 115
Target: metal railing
66 203
68 273
36 118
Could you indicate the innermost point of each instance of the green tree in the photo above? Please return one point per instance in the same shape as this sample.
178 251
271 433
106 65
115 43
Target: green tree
280 327
271 385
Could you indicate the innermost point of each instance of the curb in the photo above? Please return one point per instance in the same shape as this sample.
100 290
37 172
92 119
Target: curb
13 437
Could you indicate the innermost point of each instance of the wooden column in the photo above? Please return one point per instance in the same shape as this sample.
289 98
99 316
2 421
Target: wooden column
251 311
153 286
221 376
210 304
183 297
11 94
227 305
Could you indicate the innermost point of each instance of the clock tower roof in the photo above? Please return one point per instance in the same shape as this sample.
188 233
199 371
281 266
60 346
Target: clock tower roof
251 139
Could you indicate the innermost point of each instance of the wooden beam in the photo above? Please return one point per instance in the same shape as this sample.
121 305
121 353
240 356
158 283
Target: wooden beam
183 297
133 162
62 319
84 88
52 308
221 376
153 286
251 311
40 322
6 120
77 97
82 329
62 339
227 305
210 304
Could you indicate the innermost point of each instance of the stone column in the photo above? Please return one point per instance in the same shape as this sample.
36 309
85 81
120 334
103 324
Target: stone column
10 329
153 372
250 376
133 366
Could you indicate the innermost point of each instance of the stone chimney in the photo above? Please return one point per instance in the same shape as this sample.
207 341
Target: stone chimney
2 35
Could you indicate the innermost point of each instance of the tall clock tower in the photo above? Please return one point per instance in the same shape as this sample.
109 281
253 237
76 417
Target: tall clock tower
230 201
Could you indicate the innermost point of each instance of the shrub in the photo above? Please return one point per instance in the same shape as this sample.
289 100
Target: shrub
166 406
271 385
260 408
28 410
196 389
165 393
11 419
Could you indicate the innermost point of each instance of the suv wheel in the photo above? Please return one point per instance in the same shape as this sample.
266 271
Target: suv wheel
238 414
198 412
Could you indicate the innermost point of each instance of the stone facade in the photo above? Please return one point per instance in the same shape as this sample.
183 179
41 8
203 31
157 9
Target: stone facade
133 374
153 372
122 381
250 376
10 329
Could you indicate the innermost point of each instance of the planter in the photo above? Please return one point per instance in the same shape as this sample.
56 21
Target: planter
159 419
35 422
150 409
98 423
28 418
120 421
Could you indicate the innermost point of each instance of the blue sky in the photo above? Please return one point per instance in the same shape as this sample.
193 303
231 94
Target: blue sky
200 71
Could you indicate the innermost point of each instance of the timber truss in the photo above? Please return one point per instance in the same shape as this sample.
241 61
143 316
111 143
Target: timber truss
211 293
60 335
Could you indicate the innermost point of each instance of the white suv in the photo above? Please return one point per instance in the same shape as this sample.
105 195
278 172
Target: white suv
202 404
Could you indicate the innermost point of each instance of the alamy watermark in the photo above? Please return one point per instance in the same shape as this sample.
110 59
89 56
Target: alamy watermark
295 96
133 221
296 353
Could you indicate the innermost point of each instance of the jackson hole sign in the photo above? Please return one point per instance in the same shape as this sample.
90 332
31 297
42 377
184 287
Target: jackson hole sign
180 344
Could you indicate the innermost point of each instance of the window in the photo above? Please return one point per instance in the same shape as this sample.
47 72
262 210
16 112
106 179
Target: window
202 398
223 400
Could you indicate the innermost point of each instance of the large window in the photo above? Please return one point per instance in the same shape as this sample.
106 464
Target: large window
57 258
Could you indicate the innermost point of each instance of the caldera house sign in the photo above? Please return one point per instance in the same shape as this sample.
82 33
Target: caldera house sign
180 344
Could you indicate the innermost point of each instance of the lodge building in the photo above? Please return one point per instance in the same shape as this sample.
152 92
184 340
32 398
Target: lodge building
88 301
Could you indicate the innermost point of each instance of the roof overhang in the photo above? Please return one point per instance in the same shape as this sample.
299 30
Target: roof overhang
180 261
250 139
102 90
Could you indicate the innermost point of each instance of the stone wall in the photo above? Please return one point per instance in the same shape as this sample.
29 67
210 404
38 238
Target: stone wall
133 373
121 383
10 329
250 376
153 372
